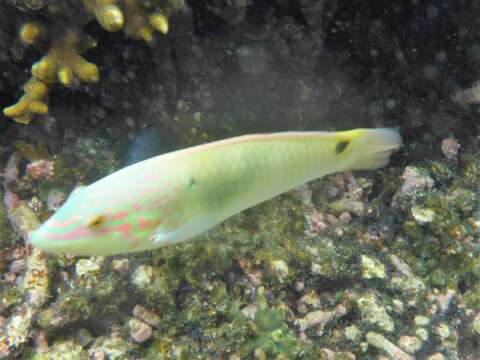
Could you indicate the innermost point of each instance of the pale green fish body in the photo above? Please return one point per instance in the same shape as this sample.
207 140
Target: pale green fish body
175 196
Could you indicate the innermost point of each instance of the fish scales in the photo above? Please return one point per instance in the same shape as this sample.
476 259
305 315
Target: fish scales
175 196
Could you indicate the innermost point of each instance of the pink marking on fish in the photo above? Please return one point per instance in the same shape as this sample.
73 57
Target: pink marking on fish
76 233
152 177
143 223
137 207
120 215
125 230
66 223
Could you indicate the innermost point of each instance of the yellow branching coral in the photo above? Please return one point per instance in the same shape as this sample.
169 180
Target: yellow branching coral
63 63
33 102
107 13
139 24
139 19
31 33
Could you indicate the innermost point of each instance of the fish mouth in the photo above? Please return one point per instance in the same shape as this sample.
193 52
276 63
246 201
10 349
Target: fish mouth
40 239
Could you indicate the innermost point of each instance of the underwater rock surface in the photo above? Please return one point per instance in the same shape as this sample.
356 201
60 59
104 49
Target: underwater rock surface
374 265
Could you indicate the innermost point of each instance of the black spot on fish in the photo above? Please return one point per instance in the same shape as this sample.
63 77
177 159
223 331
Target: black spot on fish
341 146
192 183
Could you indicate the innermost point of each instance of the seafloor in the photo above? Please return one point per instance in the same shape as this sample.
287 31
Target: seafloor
381 264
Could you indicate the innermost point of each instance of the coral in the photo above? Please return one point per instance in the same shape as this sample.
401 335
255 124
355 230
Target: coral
33 102
107 13
138 19
63 63
31 33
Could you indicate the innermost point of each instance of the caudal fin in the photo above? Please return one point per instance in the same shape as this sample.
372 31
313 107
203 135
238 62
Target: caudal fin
373 147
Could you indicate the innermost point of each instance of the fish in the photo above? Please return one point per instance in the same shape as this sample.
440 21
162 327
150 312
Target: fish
176 196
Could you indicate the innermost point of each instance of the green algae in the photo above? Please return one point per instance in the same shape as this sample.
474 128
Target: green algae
68 308
7 236
272 338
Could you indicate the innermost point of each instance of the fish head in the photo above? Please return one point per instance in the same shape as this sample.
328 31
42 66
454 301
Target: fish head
85 226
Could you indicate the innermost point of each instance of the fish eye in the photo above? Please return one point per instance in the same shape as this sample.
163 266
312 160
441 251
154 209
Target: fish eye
96 222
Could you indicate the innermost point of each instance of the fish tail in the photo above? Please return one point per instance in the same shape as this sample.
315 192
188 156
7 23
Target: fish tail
371 148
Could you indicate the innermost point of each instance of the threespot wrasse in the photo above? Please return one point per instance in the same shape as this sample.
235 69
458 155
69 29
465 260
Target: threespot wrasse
175 196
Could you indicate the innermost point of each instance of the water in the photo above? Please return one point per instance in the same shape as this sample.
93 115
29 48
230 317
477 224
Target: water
363 265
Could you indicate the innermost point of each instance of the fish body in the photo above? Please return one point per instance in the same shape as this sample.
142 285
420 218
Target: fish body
175 196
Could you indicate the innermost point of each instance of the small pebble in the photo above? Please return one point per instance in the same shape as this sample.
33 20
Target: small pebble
299 286
443 330
142 276
41 169
146 316
10 277
89 267
421 320
372 268
250 310
410 344
414 181
121 265
422 334
476 325
352 333
345 217
139 331
40 341
450 147
380 342
436 356
17 266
